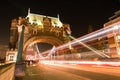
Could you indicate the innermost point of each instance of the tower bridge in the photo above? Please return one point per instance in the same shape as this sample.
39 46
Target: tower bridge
37 29
40 28
26 32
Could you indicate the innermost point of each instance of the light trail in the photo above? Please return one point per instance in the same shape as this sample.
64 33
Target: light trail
92 36
38 51
103 63
52 51
92 49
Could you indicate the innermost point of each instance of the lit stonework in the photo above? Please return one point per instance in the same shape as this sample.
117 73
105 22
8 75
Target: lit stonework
114 35
39 19
39 28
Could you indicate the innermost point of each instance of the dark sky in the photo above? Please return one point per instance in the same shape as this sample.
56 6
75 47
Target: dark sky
78 13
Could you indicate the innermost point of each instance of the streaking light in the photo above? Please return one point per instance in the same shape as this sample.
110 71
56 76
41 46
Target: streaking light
115 64
99 53
92 36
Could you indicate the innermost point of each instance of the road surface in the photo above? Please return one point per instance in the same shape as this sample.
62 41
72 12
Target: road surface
70 72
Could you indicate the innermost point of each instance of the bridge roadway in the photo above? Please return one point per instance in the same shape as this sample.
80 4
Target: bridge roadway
70 72
7 71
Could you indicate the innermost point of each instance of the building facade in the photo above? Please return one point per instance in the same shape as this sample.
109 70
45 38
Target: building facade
114 35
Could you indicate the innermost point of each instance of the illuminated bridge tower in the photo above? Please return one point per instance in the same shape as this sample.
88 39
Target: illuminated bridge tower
38 28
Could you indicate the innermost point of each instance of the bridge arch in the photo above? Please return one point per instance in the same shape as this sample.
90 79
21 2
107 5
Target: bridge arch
37 29
46 39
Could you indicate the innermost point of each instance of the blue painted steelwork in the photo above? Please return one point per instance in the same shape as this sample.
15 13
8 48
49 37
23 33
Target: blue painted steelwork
19 66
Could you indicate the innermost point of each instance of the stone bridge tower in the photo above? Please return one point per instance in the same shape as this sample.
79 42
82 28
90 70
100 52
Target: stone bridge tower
39 28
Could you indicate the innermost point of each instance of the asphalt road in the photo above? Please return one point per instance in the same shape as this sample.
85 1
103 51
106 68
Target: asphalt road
69 72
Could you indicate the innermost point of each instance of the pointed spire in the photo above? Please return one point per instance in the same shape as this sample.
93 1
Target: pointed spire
59 22
28 11
58 17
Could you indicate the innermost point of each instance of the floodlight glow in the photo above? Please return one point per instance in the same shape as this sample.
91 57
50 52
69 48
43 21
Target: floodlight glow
116 27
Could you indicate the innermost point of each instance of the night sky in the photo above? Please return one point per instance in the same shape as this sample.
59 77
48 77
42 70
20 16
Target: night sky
78 13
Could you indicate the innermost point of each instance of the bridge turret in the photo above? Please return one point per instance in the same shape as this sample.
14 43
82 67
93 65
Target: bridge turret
13 34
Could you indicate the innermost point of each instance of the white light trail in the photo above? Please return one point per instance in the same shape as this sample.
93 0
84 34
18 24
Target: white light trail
94 35
115 64
90 36
52 51
92 49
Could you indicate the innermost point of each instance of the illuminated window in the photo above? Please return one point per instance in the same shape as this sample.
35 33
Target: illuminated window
118 38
